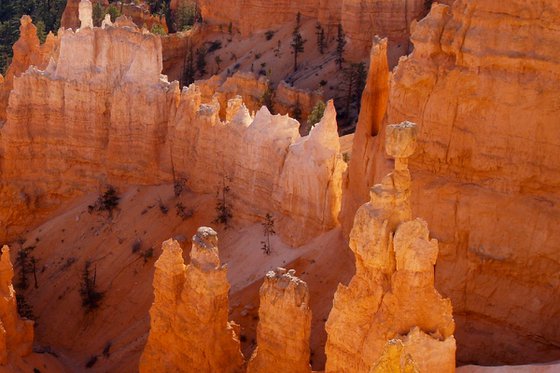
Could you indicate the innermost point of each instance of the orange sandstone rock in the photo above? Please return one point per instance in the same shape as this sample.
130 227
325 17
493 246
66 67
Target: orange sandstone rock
284 325
392 294
189 330
16 335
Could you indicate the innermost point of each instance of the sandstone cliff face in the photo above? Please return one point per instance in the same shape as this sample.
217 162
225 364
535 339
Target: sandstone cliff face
486 165
83 122
392 294
27 52
482 84
284 325
16 335
361 19
189 330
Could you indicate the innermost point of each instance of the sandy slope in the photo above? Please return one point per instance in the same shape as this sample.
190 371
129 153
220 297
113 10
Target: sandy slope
119 327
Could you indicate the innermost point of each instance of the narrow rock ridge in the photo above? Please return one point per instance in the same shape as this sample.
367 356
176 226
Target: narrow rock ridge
189 327
16 334
83 122
284 325
392 294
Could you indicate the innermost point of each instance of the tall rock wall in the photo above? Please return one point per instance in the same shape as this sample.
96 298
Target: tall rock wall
189 328
361 19
392 294
284 325
16 335
482 85
109 117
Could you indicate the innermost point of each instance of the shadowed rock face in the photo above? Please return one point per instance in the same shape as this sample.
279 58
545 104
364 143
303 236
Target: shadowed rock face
486 172
284 325
189 330
392 294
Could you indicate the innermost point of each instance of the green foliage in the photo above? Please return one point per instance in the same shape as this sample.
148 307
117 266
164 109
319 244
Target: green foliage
157 29
267 98
353 84
91 298
340 45
41 34
48 12
113 11
186 15
297 41
316 114
98 14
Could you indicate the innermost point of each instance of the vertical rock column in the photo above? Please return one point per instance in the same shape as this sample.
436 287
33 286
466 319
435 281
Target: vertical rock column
284 325
392 295
16 335
189 330
85 13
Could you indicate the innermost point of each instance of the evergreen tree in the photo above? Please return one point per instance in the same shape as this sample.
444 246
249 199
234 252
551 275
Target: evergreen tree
201 60
297 41
188 70
321 40
340 45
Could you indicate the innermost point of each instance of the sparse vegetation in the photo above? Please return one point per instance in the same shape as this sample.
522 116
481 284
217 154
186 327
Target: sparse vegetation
315 116
179 186
223 207
26 264
296 112
214 46
162 207
321 39
201 60
91 298
340 46
24 309
189 70
269 35
183 212
157 29
136 246
268 97
297 41
268 230
108 201
91 362
186 15
355 75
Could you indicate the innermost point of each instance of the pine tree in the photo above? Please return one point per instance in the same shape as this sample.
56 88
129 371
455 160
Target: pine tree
321 40
340 44
189 70
297 41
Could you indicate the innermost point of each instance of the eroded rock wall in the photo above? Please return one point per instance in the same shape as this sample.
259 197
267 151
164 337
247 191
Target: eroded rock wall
16 334
109 117
482 86
392 295
189 327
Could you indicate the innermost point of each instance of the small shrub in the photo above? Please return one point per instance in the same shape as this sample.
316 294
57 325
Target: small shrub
91 362
136 246
323 83
162 207
108 201
157 29
269 34
182 212
148 254
23 308
214 46
258 56
107 349
179 186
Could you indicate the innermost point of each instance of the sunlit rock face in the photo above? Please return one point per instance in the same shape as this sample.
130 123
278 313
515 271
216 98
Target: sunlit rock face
392 294
110 117
189 327
284 325
486 172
